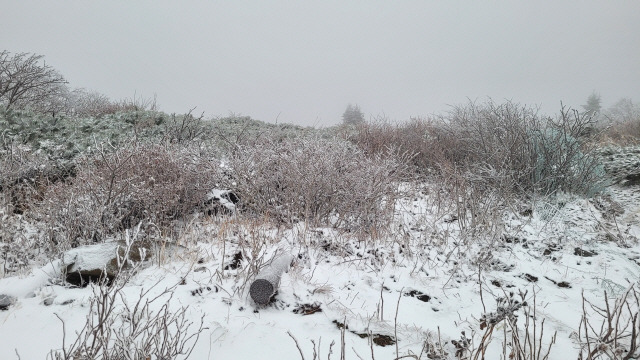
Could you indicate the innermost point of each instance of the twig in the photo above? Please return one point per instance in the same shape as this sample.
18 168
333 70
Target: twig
297 345
395 322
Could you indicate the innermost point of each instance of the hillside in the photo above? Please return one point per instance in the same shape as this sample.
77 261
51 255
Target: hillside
395 254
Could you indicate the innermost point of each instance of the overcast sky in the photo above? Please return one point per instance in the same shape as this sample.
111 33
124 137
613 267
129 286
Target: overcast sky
303 61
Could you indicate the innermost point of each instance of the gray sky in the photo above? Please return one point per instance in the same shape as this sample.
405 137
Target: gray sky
303 61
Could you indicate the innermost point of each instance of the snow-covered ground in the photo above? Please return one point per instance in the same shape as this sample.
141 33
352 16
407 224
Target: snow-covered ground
423 285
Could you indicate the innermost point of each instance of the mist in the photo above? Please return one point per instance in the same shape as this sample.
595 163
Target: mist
303 62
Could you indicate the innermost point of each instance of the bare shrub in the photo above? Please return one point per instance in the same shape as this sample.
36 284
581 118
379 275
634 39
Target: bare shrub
418 138
16 163
566 160
141 328
317 354
318 180
25 176
91 103
137 103
521 343
84 103
511 144
621 123
611 331
23 179
185 128
57 101
116 190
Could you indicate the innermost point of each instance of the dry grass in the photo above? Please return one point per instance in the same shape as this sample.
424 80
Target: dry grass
622 133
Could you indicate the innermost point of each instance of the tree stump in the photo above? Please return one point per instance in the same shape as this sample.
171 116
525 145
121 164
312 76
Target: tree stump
266 283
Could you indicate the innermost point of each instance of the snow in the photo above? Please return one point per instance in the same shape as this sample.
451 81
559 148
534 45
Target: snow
36 280
365 284
90 257
222 197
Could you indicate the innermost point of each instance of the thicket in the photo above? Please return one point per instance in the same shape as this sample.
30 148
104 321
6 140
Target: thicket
489 146
323 181
116 190
85 179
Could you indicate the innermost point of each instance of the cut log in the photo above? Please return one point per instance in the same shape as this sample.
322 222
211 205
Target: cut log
266 283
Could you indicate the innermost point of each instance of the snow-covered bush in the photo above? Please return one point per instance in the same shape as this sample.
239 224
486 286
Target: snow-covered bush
563 166
25 175
319 180
62 138
417 137
505 147
232 131
116 190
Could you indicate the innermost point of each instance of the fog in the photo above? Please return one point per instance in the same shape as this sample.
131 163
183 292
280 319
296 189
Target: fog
303 62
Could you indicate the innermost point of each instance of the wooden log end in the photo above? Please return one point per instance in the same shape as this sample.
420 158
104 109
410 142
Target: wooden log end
261 291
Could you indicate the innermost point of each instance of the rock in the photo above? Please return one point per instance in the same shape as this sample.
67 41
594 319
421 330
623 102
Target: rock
632 179
219 202
418 295
48 301
6 301
378 339
91 263
584 253
307 309
236 262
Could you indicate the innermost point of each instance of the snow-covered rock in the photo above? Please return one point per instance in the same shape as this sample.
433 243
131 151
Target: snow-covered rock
6 301
91 262
88 263
221 202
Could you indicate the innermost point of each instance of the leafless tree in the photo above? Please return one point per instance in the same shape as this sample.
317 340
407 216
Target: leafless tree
26 80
